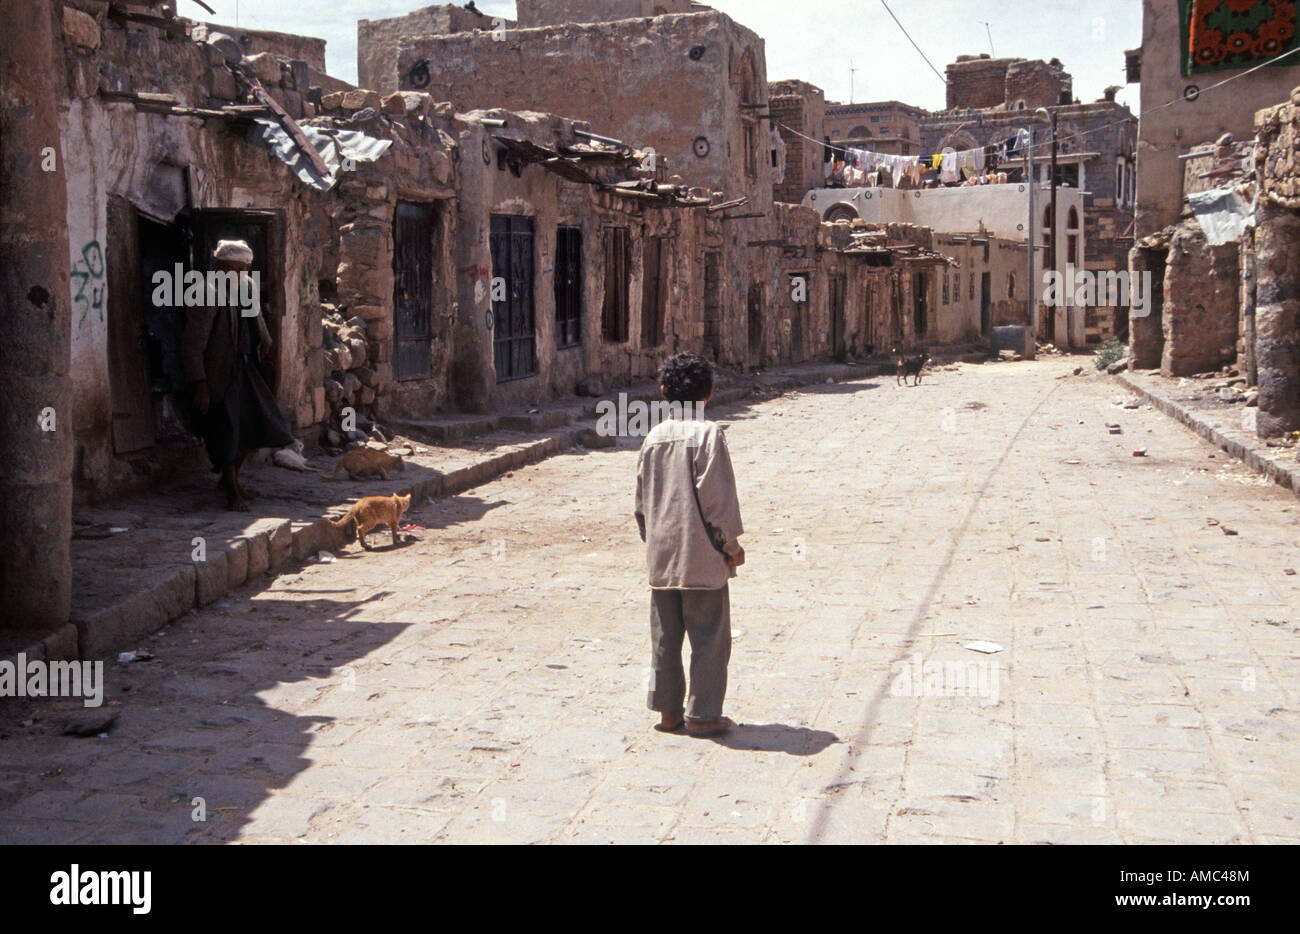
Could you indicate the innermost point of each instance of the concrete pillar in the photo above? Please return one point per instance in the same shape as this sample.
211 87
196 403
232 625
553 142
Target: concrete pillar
1277 318
35 326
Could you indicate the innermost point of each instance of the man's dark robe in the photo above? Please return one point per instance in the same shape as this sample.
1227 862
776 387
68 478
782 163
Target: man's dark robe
220 346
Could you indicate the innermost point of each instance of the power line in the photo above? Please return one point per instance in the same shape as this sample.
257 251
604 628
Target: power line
914 45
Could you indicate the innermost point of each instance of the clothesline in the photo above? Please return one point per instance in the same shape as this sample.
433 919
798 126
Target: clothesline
1046 145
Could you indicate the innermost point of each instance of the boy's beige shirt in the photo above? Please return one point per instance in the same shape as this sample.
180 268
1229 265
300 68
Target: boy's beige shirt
678 551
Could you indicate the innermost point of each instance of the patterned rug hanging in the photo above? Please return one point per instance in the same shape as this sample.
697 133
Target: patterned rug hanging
1233 34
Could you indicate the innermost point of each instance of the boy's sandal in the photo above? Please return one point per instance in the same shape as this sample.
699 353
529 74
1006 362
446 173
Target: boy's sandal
724 725
675 728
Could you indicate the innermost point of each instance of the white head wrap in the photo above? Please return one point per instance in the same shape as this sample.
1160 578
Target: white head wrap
233 251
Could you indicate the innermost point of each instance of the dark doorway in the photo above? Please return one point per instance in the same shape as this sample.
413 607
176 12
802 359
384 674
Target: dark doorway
920 305
754 322
712 303
652 292
838 288
800 285
413 251
618 269
514 334
261 231
568 287
986 299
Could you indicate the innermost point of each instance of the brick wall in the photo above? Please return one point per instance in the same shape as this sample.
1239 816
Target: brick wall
977 82
1037 83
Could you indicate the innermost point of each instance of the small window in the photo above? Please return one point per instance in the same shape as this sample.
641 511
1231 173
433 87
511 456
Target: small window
1011 285
972 287
945 289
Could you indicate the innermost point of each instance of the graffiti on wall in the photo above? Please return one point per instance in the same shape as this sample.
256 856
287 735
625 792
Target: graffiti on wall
88 281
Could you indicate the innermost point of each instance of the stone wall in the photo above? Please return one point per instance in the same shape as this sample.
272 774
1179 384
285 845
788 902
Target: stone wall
977 81
280 44
1037 84
556 12
681 80
1198 114
1201 296
799 108
377 39
1277 249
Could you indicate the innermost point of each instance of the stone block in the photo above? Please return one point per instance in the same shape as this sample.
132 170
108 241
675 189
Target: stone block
309 537
259 554
211 578
359 99
266 67
236 563
280 544
158 599
221 84
395 104
1014 337
332 101
320 411
80 29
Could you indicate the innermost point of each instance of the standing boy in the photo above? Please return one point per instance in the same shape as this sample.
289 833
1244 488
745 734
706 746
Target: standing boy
689 517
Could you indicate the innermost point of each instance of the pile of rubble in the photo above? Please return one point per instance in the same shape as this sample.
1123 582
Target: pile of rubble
349 383
1227 385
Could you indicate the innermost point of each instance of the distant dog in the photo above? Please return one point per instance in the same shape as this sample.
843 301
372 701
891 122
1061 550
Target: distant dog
910 365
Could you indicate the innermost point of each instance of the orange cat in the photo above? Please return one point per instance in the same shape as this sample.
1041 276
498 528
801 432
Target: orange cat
364 462
375 510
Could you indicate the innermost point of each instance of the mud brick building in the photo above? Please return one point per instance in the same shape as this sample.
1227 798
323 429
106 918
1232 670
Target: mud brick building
989 100
798 112
692 87
1215 214
469 237
881 126
1197 113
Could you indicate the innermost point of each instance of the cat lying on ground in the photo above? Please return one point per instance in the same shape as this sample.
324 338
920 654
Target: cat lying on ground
361 463
375 510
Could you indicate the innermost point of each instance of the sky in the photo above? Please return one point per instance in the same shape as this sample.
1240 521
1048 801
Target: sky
845 47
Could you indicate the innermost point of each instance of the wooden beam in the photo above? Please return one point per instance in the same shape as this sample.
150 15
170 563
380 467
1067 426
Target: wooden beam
290 125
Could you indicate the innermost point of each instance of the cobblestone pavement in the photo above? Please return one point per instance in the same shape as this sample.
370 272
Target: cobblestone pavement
486 681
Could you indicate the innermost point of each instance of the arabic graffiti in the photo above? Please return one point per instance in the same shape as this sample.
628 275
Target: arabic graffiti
88 278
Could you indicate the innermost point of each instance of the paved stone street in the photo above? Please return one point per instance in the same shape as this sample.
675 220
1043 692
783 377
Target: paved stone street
486 681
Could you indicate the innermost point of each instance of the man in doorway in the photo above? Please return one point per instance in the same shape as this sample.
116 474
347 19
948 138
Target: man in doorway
220 348
689 517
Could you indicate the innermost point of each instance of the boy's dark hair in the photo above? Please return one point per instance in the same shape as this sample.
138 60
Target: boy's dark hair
686 377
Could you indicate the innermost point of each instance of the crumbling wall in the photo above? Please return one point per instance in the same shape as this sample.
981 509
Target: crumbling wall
1201 295
677 88
556 12
280 44
1037 84
1277 252
977 81
378 39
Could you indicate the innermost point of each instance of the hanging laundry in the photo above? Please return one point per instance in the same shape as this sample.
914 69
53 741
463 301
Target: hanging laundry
966 163
979 159
948 172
